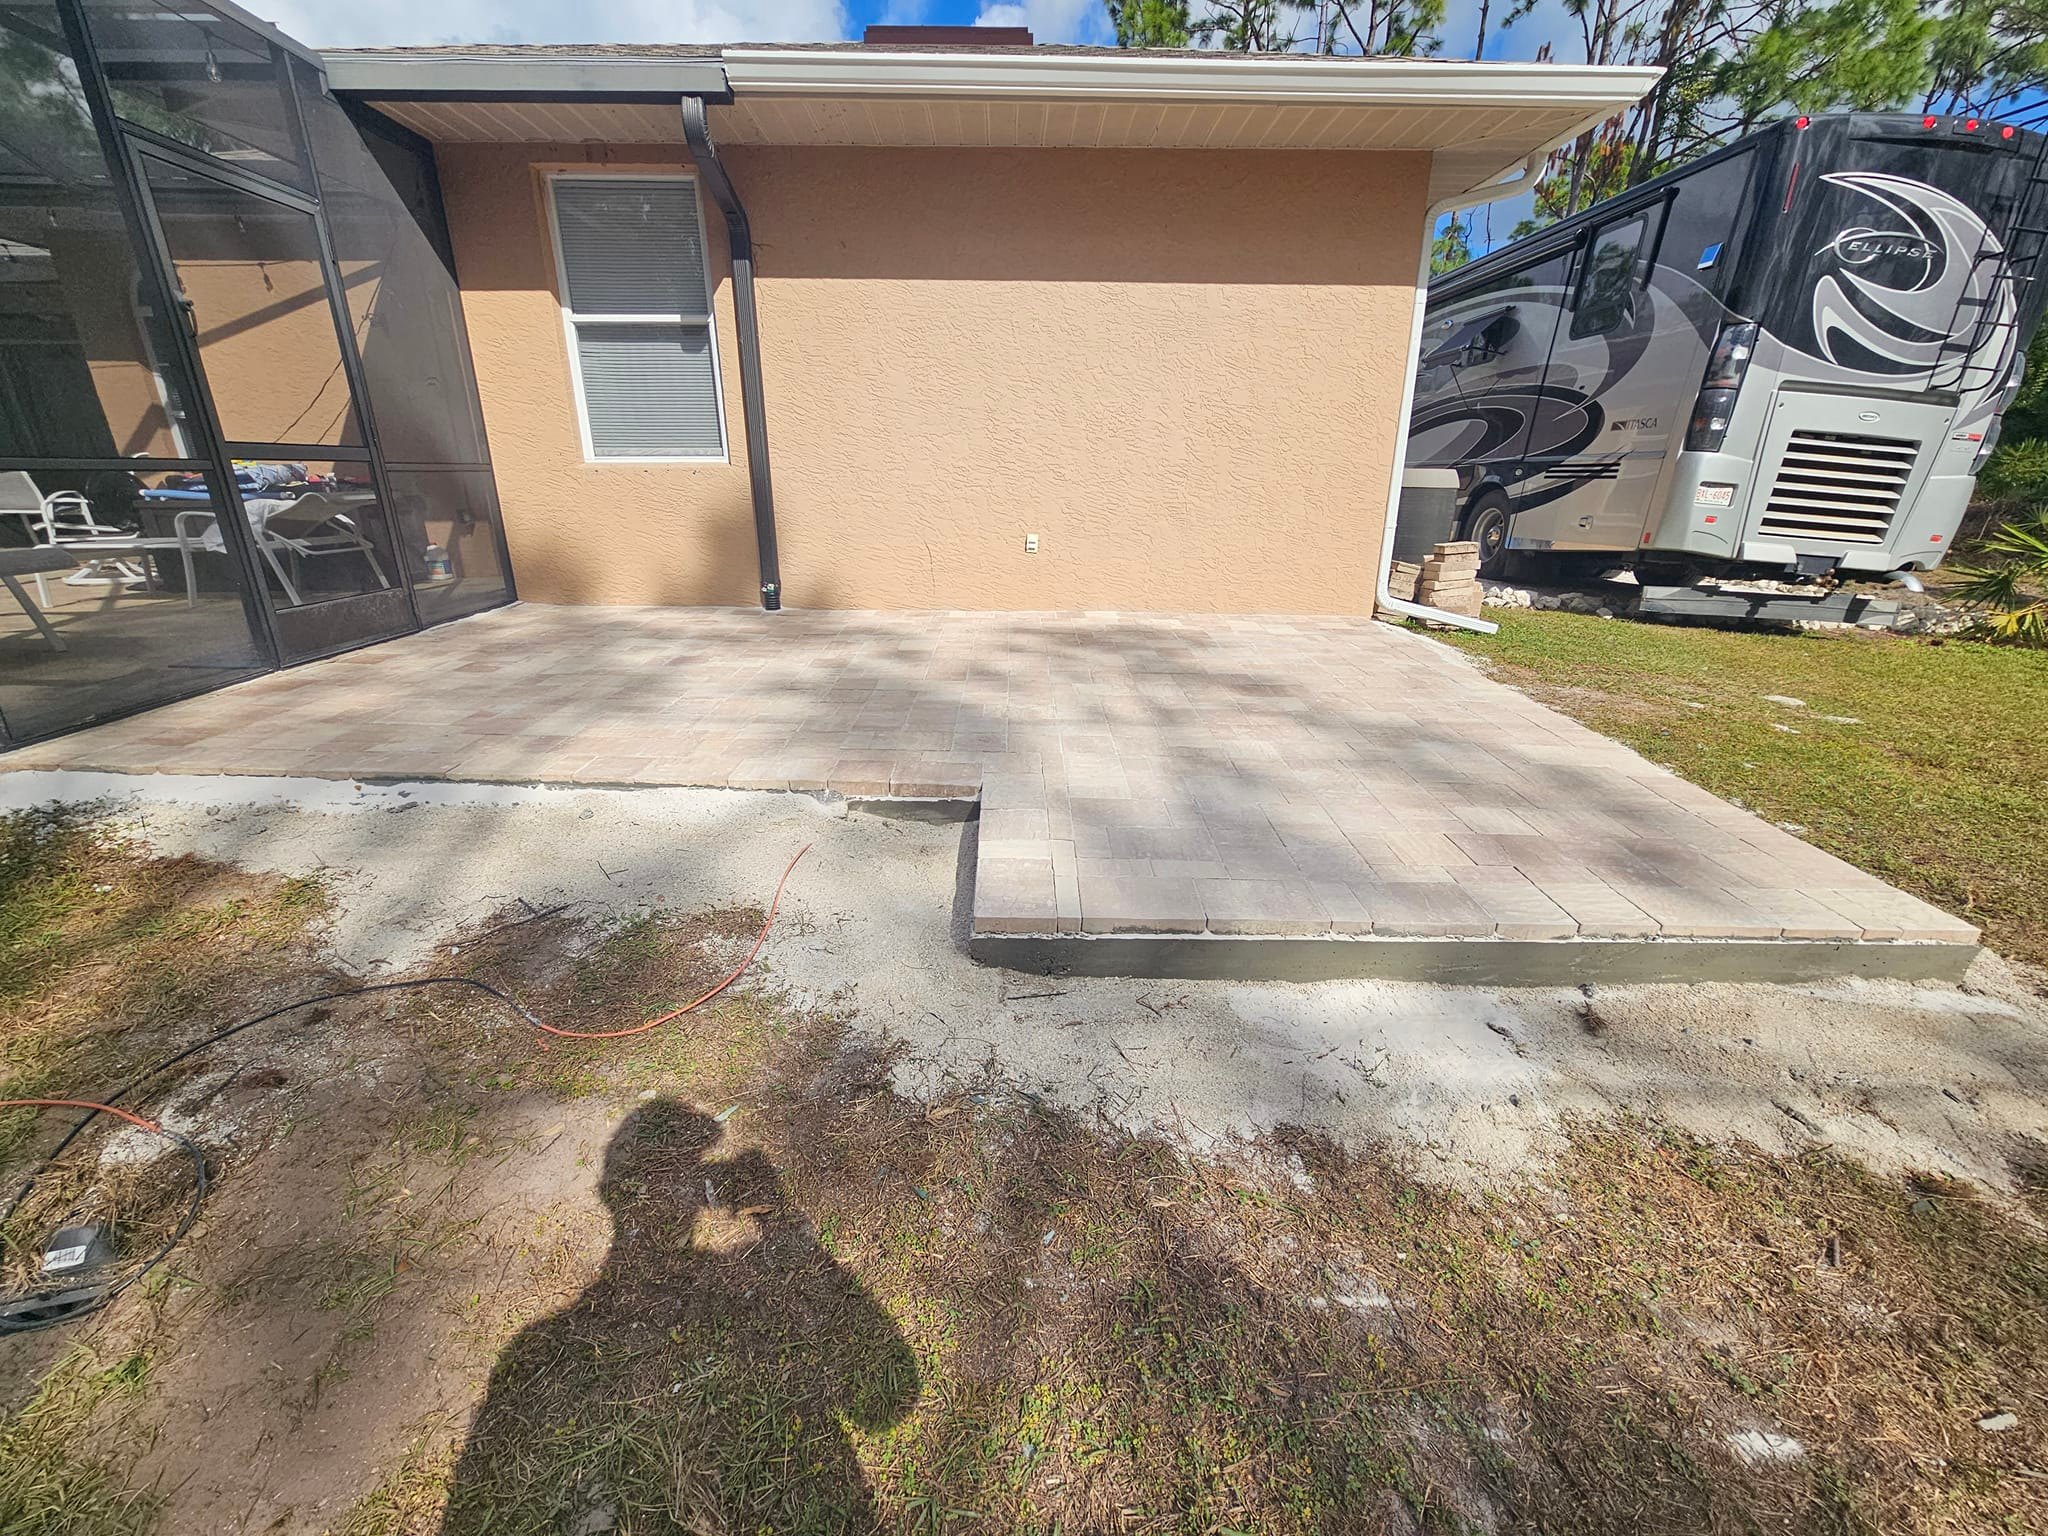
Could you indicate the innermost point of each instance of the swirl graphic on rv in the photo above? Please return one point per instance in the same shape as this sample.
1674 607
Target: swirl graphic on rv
1885 298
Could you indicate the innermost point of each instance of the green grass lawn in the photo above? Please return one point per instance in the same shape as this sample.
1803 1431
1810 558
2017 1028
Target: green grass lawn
1933 776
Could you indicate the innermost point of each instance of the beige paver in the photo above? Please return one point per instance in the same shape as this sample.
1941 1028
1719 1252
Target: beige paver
1014 896
1140 904
1066 887
1138 773
1263 906
1424 909
1517 908
1601 911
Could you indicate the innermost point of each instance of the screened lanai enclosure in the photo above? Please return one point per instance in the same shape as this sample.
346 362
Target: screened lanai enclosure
238 427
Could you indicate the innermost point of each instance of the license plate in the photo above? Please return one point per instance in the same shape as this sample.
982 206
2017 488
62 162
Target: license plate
1714 496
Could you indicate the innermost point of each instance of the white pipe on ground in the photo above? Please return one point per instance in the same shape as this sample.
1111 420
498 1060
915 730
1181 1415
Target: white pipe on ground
1382 598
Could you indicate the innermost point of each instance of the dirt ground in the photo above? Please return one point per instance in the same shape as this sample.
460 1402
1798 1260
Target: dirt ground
885 1239
1478 1081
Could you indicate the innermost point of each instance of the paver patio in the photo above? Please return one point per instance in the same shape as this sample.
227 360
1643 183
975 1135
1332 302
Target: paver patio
1139 775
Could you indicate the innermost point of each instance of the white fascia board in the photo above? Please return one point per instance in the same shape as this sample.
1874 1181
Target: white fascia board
1280 79
550 76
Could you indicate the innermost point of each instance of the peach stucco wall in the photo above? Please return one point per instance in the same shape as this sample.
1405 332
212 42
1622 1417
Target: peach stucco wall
1181 370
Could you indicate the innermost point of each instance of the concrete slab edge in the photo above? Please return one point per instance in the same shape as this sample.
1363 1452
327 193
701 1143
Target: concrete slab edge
930 808
1470 962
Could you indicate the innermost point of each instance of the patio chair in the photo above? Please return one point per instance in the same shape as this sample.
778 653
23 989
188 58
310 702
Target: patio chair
309 526
65 520
21 497
36 560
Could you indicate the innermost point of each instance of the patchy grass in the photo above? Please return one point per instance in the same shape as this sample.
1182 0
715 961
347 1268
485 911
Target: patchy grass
110 960
833 1309
107 960
1935 787
985 1316
51 1484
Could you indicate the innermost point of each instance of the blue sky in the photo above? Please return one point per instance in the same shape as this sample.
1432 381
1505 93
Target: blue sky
329 23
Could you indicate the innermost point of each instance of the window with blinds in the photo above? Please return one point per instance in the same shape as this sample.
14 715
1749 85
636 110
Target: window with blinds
636 298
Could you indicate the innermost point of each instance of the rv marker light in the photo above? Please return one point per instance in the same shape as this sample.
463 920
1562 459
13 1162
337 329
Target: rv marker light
1801 122
1929 122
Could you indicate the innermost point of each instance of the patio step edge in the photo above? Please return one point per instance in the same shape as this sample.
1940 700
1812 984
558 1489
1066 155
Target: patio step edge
1472 962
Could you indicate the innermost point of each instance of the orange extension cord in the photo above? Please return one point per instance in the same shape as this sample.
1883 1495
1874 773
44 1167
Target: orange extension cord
698 1002
105 1109
93 1107
670 1017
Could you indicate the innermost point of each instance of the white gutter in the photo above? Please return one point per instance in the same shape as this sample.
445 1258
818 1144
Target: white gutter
1382 598
1292 79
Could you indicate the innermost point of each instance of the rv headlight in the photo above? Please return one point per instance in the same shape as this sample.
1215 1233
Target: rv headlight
1711 414
1989 442
1730 357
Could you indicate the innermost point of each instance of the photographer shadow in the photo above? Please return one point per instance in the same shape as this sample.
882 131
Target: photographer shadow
703 1380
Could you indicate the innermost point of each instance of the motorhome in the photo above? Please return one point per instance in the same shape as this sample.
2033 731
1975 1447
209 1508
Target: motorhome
1786 359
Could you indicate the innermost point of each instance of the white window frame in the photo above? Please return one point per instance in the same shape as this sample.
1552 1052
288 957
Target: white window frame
571 320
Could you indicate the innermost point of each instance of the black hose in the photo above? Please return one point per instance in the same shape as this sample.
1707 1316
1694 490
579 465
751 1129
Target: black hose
27 1316
25 1323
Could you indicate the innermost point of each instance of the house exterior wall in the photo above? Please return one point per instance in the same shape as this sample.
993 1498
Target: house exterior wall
1180 369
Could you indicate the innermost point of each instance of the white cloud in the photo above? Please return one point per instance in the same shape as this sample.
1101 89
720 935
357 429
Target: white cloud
369 23
1052 21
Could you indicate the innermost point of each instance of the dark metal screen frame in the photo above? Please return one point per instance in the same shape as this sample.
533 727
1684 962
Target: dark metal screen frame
147 248
121 142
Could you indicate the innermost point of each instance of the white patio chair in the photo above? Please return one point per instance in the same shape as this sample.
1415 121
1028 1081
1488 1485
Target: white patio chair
21 497
65 520
312 525
34 561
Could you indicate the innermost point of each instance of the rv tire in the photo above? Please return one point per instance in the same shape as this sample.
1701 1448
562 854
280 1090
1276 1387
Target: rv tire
1486 524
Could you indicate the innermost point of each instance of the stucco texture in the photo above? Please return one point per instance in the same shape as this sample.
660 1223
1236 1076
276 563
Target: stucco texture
1180 369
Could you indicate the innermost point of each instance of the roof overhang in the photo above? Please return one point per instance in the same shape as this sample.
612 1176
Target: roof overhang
389 75
1477 121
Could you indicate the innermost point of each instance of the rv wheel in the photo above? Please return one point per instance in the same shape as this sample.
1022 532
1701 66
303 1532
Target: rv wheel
1487 526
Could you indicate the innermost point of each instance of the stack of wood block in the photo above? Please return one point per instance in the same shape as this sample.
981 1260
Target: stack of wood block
1403 577
1450 579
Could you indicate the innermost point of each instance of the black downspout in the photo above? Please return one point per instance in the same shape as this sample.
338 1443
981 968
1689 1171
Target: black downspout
697 130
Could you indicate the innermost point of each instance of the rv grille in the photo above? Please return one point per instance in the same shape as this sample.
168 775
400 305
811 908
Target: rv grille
1839 487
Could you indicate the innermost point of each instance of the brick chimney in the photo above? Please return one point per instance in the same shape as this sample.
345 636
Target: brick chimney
947 37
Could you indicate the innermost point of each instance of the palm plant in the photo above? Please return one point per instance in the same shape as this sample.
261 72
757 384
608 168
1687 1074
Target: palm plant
2011 589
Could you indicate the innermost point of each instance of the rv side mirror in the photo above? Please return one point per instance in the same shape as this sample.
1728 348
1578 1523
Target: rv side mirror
1496 337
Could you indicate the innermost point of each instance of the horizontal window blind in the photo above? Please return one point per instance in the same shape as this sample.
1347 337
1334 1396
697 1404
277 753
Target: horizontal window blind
637 296
649 391
631 247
